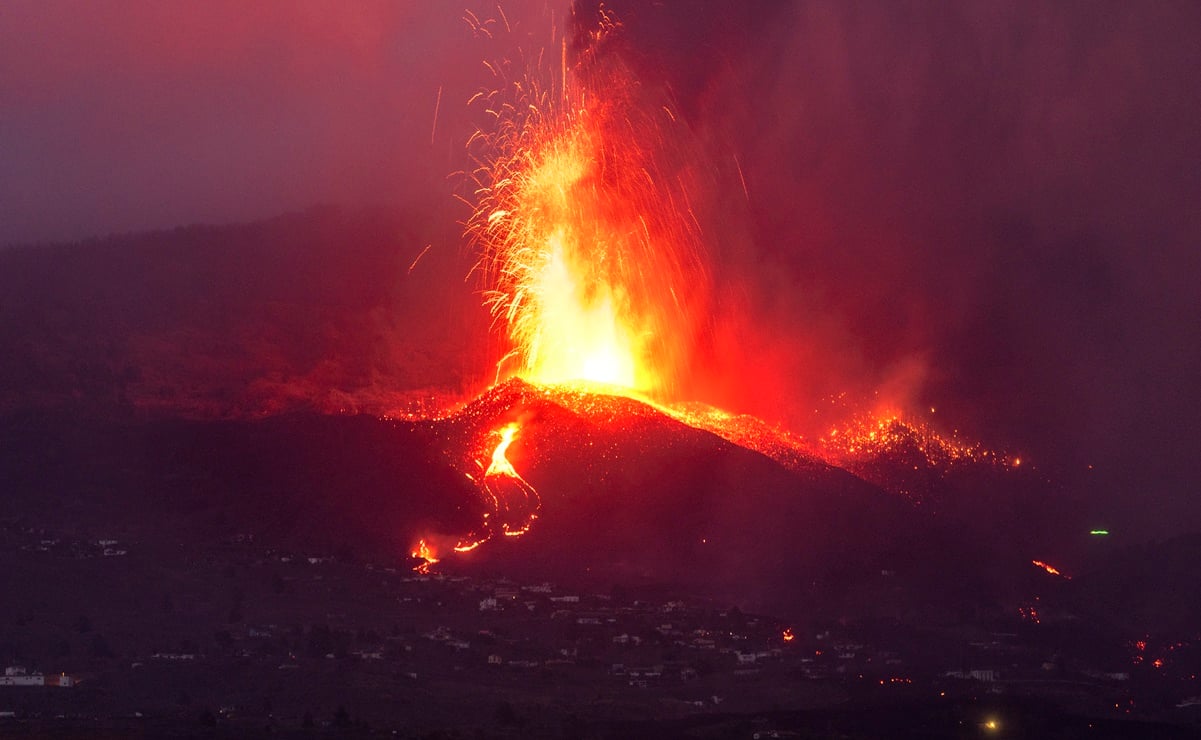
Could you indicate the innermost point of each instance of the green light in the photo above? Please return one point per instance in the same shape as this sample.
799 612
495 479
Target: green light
1098 532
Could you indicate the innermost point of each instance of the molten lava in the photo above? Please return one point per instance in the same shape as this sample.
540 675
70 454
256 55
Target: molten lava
425 553
515 503
589 251
512 503
1050 569
500 464
868 437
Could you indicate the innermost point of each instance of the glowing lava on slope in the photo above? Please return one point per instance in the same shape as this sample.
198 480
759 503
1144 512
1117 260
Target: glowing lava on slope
1050 569
511 503
423 552
869 436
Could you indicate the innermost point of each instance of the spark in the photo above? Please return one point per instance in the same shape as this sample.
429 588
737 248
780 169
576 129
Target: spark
586 257
437 106
418 259
745 190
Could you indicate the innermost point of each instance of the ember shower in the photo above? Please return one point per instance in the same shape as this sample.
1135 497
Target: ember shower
589 249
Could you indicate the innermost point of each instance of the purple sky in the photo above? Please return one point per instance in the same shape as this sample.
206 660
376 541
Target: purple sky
132 114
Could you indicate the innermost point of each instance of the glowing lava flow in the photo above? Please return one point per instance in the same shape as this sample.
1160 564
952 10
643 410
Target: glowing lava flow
588 250
1050 569
513 504
425 553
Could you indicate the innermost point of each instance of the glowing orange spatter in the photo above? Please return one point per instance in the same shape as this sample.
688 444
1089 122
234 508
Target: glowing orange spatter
869 436
1050 569
588 251
423 551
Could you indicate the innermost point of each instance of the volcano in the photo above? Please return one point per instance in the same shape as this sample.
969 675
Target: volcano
629 493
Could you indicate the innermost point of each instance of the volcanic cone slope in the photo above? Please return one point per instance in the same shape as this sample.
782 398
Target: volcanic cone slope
629 494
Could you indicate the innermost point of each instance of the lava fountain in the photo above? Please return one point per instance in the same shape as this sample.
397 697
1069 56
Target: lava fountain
589 251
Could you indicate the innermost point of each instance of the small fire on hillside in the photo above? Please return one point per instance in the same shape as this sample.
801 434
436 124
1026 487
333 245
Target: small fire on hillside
590 254
1051 569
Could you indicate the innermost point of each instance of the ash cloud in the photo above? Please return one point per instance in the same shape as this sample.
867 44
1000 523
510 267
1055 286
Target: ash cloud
985 208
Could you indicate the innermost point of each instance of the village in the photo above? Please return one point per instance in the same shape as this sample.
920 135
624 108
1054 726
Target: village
247 634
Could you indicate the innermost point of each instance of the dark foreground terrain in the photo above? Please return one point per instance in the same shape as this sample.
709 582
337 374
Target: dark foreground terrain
289 606
241 641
